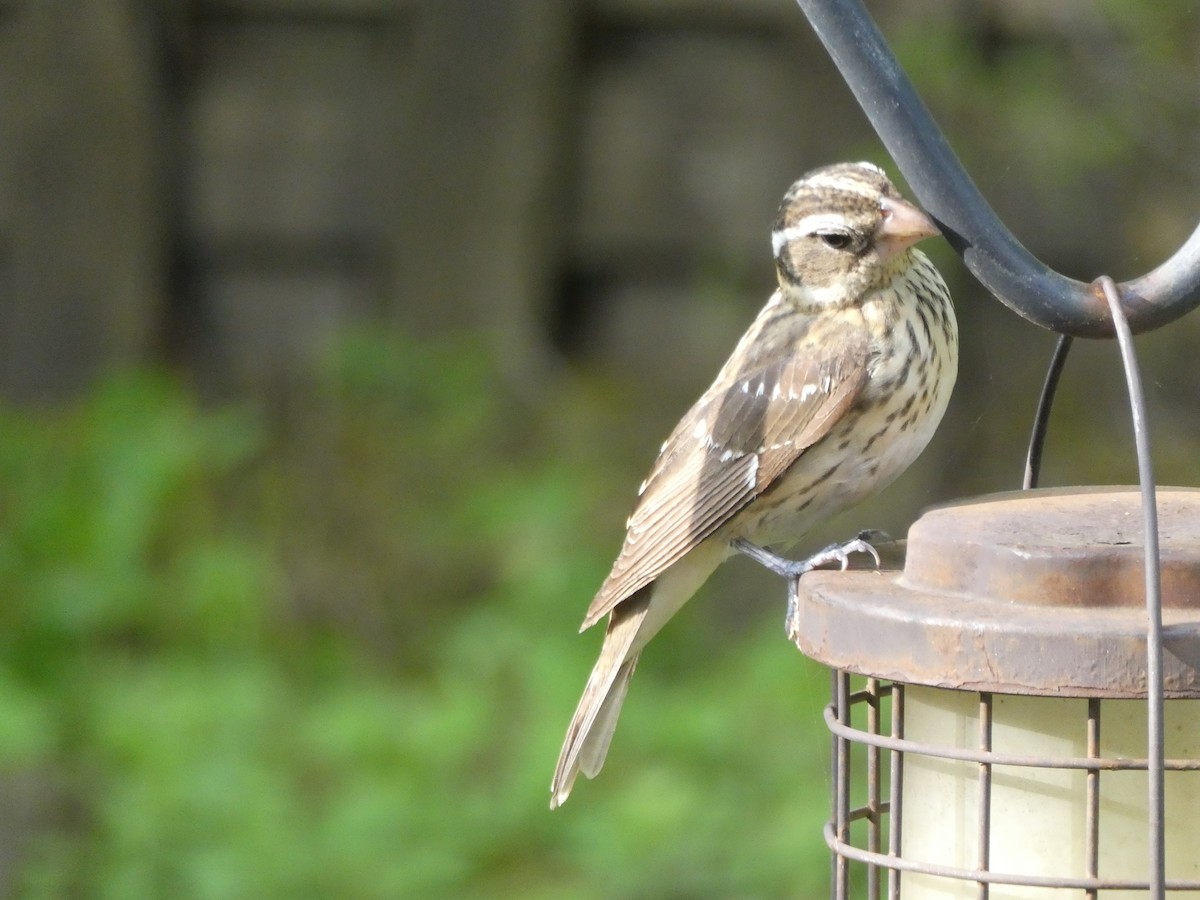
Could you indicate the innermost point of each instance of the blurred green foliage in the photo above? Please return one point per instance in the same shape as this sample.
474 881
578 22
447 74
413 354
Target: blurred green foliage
330 652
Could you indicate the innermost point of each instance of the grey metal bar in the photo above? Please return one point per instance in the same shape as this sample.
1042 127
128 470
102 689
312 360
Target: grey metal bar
1107 764
864 812
1049 881
873 787
987 247
1091 843
842 787
835 742
984 832
1154 649
895 791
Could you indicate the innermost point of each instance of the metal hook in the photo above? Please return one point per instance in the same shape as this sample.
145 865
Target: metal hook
987 247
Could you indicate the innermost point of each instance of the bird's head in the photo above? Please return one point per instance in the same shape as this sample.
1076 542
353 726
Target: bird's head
842 231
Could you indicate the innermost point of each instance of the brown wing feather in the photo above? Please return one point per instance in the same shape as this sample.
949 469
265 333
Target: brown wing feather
729 448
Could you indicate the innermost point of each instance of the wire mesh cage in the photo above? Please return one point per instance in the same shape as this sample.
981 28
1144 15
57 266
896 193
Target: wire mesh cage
996 814
989 703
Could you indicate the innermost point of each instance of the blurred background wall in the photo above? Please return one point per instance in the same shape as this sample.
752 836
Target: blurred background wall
223 184
334 338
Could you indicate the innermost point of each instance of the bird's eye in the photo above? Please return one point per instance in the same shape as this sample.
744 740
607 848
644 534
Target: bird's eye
836 240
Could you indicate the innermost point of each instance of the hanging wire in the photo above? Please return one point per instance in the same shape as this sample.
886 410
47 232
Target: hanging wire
1154 648
1041 419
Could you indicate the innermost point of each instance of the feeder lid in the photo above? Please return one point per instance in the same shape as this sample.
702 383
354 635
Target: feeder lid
1029 592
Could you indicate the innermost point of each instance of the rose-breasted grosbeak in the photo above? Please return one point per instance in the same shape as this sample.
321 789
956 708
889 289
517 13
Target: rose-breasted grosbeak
834 390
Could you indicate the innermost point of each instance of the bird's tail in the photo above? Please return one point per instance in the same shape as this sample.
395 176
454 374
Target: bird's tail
595 719
632 622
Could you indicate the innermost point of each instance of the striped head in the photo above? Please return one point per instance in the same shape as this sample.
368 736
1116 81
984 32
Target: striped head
842 231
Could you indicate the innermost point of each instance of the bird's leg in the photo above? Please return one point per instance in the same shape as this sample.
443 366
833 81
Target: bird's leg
834 553
792 569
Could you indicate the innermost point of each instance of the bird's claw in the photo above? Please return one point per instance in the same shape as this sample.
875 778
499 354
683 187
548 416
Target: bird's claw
792 569
840 553
834 553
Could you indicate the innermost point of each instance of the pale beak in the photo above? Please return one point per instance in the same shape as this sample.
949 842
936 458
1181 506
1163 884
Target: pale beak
903 225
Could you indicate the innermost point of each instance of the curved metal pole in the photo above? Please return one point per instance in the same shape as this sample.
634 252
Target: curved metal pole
987 247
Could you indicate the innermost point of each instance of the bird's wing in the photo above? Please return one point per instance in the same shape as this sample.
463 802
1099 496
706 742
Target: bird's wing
730 447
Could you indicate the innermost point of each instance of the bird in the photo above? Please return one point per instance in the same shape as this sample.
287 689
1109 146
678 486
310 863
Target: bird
833 391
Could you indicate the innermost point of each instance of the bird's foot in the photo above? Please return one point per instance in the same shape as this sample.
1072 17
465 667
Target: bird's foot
792 569
863 542
834 553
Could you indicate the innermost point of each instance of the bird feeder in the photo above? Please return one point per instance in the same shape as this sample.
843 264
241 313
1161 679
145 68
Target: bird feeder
989 702
1024 726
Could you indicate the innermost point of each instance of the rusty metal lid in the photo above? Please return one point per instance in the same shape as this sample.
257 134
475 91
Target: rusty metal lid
1030 592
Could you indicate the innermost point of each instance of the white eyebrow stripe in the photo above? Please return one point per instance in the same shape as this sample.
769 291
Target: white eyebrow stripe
806 226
